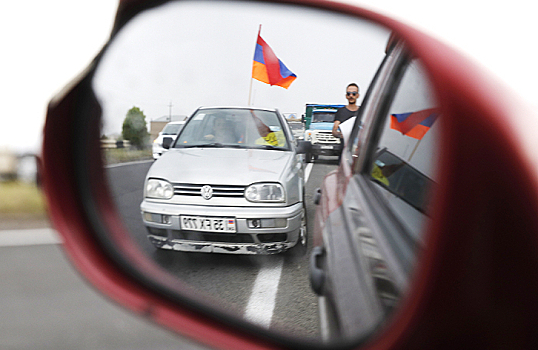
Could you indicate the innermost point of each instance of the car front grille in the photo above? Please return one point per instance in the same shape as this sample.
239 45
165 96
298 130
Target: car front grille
218 190
325 137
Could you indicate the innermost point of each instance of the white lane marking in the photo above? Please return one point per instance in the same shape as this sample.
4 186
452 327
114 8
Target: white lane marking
261 303
322 304
117 165
14 238
262 300
307 171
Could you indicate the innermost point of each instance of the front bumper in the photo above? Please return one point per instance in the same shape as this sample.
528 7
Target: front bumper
246 240
330 149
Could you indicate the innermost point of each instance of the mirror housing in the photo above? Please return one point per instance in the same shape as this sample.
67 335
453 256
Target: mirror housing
167 142
484 235
303 147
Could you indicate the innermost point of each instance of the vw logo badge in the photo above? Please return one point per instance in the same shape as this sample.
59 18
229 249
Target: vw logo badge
207 192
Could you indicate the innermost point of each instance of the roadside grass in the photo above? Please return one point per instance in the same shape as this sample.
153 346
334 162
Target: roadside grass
22 202
18 198
123 155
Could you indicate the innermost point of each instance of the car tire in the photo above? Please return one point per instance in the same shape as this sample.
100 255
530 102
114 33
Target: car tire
308 157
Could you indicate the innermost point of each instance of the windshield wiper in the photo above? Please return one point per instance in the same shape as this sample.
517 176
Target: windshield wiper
227 145
234 145
204 145
214 145
269 147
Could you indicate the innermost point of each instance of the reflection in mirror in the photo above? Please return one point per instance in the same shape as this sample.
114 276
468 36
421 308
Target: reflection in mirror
403 165
189 192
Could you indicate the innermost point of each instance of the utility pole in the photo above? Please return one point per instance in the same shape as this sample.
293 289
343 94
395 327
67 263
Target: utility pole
170 111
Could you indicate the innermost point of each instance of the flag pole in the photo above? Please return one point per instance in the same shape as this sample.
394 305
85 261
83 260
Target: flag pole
251 78
250 90
414 150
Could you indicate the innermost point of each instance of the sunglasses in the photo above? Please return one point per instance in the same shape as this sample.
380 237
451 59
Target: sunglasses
354 93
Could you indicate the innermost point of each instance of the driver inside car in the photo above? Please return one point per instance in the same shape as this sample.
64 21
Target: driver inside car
223 131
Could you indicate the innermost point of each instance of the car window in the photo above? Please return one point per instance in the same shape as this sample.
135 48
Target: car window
320 117
172 129
245 128
403 162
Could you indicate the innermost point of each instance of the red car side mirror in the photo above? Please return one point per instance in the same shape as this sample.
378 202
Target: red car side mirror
475 283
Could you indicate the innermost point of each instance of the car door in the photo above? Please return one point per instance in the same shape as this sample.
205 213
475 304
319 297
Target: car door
374 207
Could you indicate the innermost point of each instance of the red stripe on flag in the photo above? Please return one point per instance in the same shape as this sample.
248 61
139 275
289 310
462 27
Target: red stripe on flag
271 62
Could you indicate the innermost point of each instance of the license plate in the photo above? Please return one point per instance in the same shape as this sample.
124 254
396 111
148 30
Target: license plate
207 224
326 147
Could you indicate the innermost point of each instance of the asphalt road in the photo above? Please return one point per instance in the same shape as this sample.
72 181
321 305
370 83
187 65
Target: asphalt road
45 304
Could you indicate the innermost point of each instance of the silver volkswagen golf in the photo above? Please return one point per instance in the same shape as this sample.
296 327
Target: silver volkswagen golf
232 182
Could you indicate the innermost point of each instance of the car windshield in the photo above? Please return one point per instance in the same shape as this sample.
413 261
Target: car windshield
321 117
234 127
172 129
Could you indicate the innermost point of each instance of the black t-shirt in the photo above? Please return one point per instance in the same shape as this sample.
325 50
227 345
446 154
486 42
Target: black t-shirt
343 114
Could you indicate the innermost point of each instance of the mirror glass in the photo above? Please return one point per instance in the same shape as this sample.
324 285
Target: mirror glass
152 79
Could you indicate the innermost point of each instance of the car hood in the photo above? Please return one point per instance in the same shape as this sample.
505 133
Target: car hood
222 166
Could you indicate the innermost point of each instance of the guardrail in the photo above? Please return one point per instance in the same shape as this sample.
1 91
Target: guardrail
115 144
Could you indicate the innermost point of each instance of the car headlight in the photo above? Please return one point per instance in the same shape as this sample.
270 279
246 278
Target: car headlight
265 192
308 136
159 189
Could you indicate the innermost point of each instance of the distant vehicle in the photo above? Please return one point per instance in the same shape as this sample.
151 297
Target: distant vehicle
170 130
319 121
228 200
297 128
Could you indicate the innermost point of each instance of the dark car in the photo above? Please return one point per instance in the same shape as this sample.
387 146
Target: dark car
373 208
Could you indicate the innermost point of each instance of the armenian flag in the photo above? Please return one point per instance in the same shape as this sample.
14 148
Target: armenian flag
268 68
414 124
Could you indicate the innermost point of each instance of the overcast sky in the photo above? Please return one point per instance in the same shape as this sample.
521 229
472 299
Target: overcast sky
198 54
46 44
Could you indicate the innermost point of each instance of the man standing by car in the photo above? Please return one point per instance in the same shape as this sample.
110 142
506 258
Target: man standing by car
346 112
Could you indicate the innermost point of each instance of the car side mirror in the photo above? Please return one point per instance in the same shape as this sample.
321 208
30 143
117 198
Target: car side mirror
303 147
167 142
482 231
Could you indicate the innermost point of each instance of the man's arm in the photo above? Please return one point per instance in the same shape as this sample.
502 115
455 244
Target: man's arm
335 131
